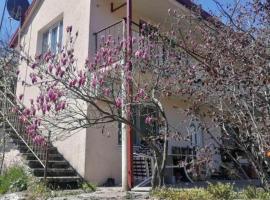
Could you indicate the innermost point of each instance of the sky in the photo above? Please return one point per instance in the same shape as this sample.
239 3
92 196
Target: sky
9 25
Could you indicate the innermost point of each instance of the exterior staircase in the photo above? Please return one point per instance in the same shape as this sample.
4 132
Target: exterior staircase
142 167
44 160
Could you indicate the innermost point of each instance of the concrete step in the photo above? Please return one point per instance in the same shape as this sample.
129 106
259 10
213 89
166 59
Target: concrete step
24 149
51 164
54 172
52 157
64 182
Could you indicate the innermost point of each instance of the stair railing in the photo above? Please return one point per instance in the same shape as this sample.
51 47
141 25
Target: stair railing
148 163
40 151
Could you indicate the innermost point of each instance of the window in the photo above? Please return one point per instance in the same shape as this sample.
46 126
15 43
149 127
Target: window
52 38
196 132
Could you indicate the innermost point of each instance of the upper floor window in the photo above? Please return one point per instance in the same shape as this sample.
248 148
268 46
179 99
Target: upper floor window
52 38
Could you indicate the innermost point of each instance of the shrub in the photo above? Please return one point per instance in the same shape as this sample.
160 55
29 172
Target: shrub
183 194
88 187
38 190
14 179
255 193
221 191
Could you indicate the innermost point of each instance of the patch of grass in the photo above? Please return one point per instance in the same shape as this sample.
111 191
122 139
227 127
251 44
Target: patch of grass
217 191
221 191
13 179
88 187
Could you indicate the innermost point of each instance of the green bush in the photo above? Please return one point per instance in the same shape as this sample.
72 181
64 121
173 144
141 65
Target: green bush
255 193
88 187
14 180
38 190
183 194
221 191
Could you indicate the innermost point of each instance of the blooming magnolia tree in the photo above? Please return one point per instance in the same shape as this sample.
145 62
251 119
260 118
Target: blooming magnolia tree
231 75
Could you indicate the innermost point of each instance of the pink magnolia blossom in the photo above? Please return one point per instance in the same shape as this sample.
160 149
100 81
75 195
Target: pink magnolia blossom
149 120
106 91
118 102
141 93
21 97
33 78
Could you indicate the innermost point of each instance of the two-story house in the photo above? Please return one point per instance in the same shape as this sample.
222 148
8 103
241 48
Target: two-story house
95 156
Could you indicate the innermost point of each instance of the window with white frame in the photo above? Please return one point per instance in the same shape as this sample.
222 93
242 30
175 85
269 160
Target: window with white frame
52 38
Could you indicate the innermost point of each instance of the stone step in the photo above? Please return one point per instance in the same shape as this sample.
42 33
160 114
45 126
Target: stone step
53 172
51 164
52 157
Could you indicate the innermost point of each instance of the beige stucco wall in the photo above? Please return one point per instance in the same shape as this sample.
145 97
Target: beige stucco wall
72 12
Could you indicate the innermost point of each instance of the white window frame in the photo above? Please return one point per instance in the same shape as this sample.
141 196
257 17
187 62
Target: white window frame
58 34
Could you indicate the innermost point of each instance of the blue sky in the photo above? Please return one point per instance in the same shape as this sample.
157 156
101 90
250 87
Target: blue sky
10 25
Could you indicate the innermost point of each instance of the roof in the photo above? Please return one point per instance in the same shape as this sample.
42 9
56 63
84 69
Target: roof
187 3
192 6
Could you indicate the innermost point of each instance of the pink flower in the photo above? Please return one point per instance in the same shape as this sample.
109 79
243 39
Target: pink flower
94 82
141 93
138 54
63 105
50 68
33 109
21 97
33 77
149 120
106 91
118 102
33 66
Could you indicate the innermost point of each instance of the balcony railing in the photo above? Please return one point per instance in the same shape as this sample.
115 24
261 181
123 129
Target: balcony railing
117 31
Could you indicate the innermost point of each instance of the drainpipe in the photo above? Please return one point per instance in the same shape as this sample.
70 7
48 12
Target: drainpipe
127 146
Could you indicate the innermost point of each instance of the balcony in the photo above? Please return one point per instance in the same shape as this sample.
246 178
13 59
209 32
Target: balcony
117 31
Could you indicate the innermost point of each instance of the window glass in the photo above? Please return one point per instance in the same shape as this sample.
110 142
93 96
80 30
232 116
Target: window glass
45 42
60 36
52 38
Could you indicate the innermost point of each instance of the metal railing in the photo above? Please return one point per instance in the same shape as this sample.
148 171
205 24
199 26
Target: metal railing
143 166
40 151
117 32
